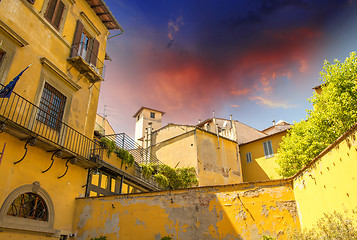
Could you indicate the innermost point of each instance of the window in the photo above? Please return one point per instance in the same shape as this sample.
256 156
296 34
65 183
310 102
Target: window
102 184
28 208
138 117
29 205
248 157
52 105
54 12
84 45
268 149
152 114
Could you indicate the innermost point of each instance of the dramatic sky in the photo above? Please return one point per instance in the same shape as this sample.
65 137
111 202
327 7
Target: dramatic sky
255 59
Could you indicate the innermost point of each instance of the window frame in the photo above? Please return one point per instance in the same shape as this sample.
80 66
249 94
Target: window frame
48 118
54 17
43 12
248 157
268 149
92 47
18 223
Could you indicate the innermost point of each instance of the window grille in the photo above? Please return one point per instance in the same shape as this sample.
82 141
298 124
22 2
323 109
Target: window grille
30 206
51 107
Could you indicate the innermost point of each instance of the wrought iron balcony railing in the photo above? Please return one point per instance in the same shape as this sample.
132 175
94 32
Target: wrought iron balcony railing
21 118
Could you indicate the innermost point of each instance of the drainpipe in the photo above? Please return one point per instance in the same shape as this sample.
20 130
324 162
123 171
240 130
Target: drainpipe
121 32
148 149
217 136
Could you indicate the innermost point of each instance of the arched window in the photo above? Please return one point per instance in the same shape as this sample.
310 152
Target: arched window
29 205
30 208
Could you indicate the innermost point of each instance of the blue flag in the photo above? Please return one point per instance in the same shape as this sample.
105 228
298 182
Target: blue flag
7 90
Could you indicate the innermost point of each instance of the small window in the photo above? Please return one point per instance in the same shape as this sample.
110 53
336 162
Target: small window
51 107
268 149
248 157
152 114
54 12
138 117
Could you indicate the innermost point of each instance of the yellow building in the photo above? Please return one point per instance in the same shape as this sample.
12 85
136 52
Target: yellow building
259 156
48 153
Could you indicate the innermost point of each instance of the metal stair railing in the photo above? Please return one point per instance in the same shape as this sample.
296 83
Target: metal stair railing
140 154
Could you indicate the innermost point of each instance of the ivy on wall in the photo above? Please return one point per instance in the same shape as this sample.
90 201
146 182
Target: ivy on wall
123 154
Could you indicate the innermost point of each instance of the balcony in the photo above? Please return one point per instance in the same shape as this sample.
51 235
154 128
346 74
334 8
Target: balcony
141 156
86 62
20 118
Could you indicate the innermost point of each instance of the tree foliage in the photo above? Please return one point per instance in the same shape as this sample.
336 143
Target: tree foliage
331 226
170 178
334 112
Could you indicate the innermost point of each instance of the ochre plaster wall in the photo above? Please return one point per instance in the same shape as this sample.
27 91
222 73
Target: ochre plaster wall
55 45
217 163
62 191
260 168
329 183
242 211
169 131
180 151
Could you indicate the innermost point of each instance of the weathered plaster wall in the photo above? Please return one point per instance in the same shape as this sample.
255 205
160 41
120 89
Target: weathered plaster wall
217 163
61 191
329 183
241 211
169 131
45 41
260 168
180 151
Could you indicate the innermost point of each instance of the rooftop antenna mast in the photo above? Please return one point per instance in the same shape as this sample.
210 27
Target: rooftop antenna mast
105 110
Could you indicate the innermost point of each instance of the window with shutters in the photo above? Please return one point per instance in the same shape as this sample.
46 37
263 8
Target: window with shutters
54 12
84 54
268 149
84 45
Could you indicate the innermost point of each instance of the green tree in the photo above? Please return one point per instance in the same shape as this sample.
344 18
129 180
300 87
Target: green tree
334 112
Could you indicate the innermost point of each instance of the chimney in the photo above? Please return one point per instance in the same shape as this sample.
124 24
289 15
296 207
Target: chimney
273 122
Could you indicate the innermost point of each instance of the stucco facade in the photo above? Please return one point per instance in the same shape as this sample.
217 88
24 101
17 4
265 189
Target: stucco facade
260 167
243 211
215 158
47 123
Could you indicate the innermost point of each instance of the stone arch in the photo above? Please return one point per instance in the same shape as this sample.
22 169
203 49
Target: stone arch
26 224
